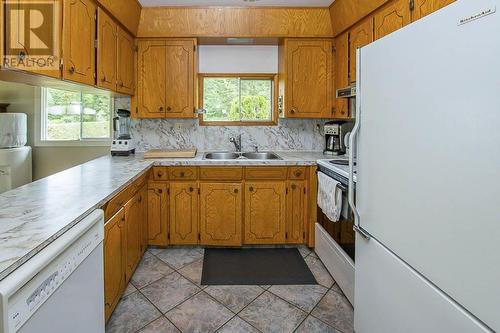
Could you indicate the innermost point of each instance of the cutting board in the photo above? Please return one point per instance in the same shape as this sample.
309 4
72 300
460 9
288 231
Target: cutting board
170 153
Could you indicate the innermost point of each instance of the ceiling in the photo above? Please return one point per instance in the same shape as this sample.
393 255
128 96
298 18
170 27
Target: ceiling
237 3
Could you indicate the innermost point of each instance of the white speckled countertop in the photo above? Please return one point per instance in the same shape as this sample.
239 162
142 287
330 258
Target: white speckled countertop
34 215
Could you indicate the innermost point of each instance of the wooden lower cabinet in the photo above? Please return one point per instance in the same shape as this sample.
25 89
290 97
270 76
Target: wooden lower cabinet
265 216
114 261
157 228
296 212
220 214
134 220
184 199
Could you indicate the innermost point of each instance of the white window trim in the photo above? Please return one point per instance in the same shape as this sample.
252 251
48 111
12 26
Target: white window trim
40 123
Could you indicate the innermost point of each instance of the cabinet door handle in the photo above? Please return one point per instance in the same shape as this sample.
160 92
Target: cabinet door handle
140 198
250 189
71 70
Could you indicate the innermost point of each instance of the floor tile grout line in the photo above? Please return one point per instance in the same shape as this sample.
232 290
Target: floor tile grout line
311 313
296 305
253 300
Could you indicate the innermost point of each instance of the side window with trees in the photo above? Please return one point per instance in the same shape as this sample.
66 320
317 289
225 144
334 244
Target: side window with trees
238 99
74 116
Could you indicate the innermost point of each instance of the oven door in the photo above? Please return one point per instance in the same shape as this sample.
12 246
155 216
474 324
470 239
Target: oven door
335 244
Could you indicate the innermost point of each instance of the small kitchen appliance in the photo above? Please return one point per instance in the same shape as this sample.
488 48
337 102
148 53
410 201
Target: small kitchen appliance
122 145
334 137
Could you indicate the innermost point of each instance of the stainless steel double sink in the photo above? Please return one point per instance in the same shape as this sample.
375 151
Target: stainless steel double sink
238 156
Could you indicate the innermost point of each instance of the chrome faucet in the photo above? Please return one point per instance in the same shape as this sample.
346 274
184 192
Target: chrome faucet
237 143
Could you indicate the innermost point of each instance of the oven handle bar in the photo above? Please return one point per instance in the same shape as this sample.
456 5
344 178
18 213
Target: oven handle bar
352 150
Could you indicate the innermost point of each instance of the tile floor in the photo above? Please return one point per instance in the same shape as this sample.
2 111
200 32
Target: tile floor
165 295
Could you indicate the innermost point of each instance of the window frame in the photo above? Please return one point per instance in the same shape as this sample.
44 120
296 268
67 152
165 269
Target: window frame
274 103
40 124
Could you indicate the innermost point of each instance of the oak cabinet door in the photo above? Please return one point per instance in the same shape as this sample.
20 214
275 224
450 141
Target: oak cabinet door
134 215
151 74
359 36
79 41
179 79
143 193
220 214
184 213
296 212
157 214
23 49
341 74
309 78
265 204
391 17
423 8
106 50
114 261
126 63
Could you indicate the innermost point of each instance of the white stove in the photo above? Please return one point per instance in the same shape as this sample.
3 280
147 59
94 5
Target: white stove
339 165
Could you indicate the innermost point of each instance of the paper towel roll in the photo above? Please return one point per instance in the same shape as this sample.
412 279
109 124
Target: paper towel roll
13 130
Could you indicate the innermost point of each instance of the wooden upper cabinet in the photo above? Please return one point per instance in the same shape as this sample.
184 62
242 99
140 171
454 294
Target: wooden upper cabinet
107 51
184 213
220 214
296 209
423 8
359 36
134 218
341 74
180 78
391 17
79 24
157 214
125 81
114 261
308 90
151 76
265 216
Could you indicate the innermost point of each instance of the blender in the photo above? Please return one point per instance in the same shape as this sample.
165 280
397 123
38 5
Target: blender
122 144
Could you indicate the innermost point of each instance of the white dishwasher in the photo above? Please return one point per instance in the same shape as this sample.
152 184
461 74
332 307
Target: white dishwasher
60 289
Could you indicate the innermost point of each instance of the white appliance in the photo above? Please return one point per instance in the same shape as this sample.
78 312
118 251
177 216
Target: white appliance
427 250
15 167
13 130
60 289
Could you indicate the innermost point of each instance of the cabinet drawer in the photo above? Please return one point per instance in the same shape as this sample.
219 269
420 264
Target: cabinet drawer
160 173
221 173
182 173
266 173
119 201
297 173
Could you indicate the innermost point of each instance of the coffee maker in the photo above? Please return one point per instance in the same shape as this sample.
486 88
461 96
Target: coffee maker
122 144
335 133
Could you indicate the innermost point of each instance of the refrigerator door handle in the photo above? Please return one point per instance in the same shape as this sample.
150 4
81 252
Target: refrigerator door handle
352 150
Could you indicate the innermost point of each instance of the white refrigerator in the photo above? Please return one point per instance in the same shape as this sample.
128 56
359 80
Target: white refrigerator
428 184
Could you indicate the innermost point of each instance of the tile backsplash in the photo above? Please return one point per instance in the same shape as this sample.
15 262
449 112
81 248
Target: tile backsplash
289 134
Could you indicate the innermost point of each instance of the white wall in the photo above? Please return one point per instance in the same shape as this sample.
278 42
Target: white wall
238 59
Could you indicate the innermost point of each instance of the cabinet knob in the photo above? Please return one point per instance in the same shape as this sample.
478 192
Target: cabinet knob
169 108
22 55
103 78
182 174
120 83
191 189
140 198
294 187
160 191
298 173
159 174
71 70
292 111
160 108
251 189
236 190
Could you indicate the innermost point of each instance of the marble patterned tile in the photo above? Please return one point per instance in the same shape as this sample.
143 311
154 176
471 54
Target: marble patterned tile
304 297
234 297
313 325
178 257
200 313
337 289
193 272
267 286
160 325
150 269
335 310
132 313
313 254
169 291
319 271
270 314
237 325
304 250
129 290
